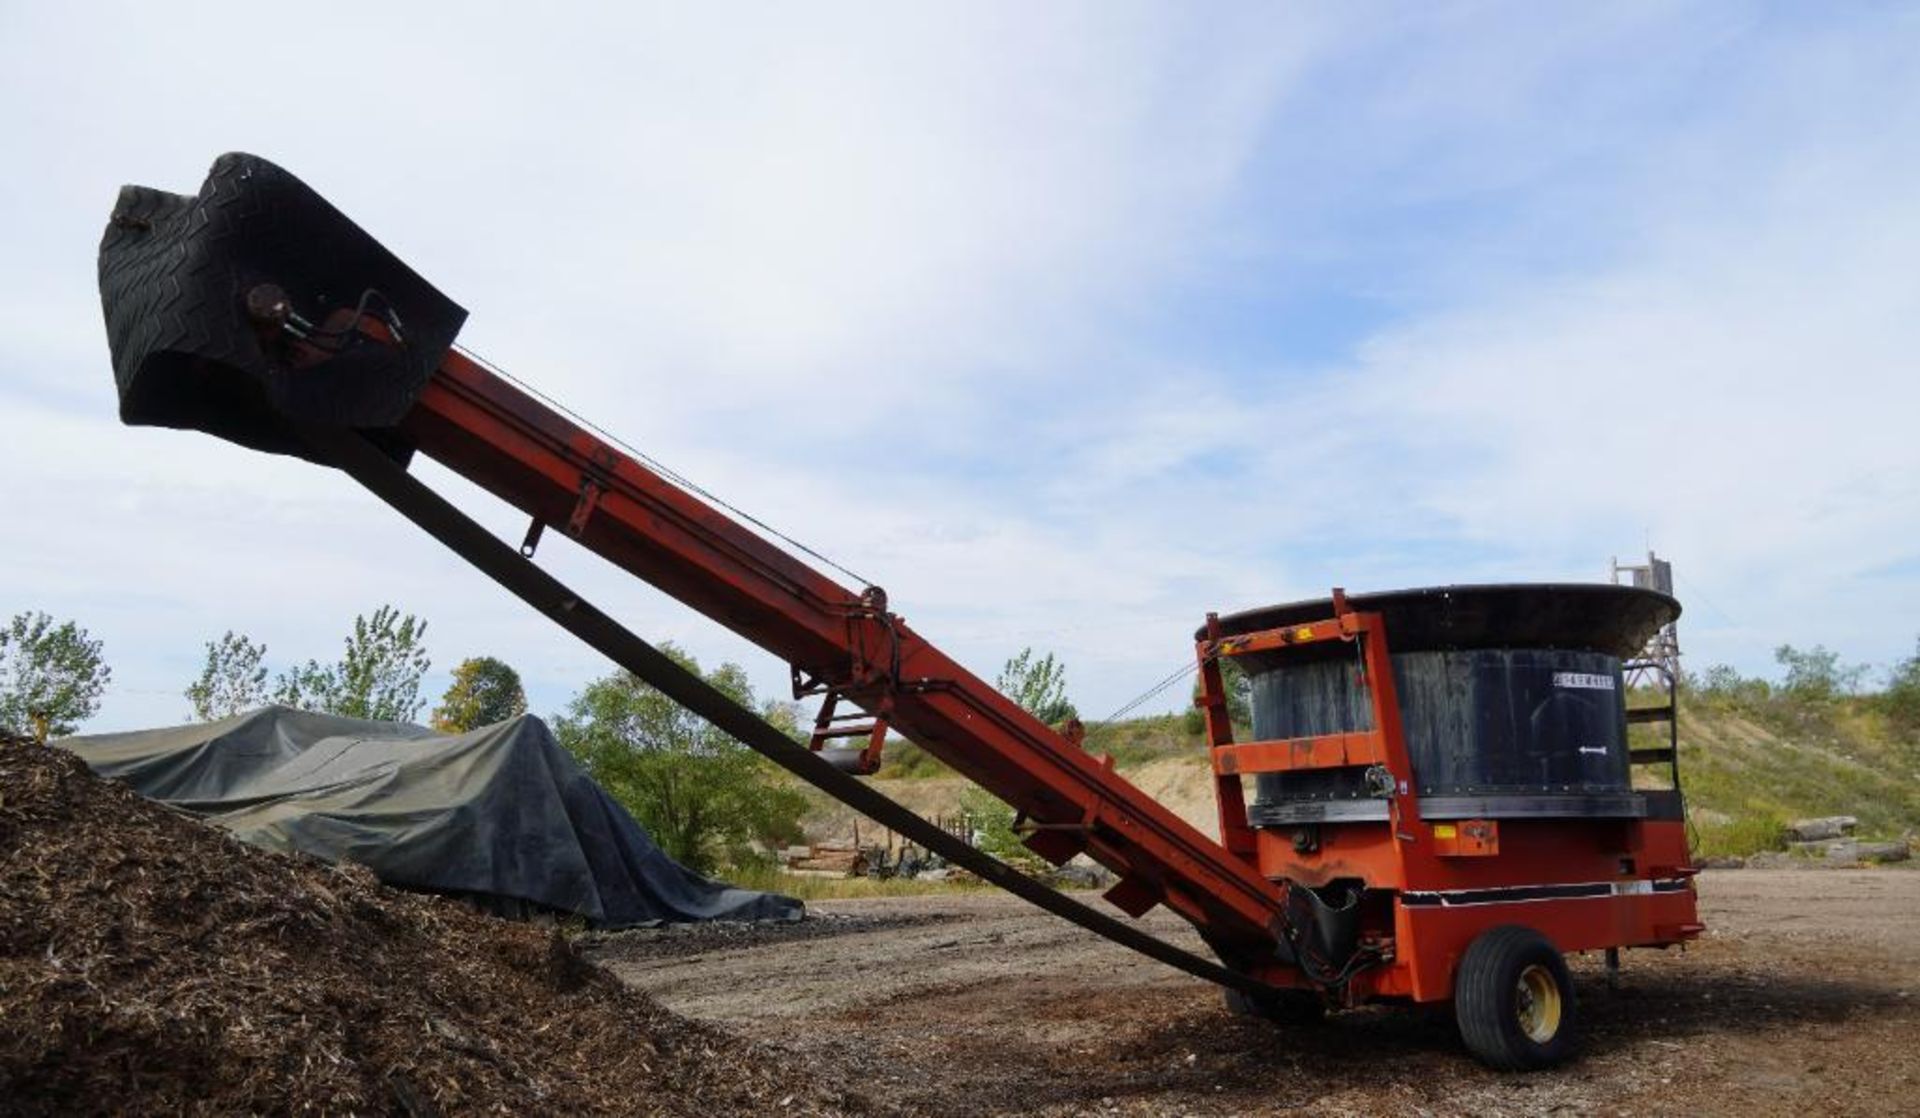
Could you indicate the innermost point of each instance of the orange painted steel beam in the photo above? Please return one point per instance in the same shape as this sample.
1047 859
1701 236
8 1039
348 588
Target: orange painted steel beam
846 641
1327 751
1343 627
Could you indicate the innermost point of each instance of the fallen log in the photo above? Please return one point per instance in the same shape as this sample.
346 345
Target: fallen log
1822 828
1884 851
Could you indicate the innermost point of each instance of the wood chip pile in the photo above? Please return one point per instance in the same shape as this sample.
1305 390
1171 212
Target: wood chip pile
148 963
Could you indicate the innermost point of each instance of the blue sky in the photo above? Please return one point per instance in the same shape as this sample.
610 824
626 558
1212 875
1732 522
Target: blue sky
1067 325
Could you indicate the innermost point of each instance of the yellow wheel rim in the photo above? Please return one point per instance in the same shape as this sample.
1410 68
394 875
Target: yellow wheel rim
1536 1004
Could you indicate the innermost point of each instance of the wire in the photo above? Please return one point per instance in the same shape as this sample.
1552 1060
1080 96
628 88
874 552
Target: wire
664 470
337 339
694 487
1182 672
1694 589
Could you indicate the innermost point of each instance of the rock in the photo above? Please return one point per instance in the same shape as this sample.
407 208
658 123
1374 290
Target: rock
1825 827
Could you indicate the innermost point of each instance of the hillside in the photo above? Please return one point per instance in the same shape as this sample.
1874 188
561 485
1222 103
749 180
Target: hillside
1748 768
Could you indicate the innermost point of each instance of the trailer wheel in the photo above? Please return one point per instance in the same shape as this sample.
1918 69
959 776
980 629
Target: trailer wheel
1514 1000
1282 1007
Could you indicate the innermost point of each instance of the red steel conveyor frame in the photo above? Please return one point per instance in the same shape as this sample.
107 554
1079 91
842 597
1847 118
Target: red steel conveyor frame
257 312
845 645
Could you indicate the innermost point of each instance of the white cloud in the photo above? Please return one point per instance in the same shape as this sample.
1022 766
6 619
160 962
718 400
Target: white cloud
741 237
910 285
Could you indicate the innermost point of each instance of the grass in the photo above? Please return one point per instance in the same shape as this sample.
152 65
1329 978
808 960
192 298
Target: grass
1142 741
1739 837
1749 764
904 760
1132 743
1744 768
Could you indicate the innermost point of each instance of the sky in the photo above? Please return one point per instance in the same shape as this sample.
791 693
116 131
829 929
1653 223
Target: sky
1066 323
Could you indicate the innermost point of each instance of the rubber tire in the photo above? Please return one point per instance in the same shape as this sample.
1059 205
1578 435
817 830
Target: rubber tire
1282 1007
1484 1000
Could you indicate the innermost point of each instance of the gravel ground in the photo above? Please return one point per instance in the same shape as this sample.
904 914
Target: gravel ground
1803 997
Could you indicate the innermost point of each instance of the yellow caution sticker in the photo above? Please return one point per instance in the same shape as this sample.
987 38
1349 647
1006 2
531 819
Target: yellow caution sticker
1445 831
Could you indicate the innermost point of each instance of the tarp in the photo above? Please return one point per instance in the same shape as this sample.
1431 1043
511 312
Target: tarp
502 813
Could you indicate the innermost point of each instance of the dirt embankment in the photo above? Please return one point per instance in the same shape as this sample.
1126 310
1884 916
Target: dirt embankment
1183 784
150 964
1803 998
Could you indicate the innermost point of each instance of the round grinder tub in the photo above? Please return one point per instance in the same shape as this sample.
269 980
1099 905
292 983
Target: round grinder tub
1511 700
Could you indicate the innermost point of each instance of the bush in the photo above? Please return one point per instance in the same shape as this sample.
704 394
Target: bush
704 797
1721 685
1239 690
906 761
1817 674
1901 700
1139 741
992 823
1740 837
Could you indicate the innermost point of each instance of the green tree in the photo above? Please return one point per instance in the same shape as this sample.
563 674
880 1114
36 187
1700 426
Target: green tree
1817 673
1239 690
232 679
992 822
378 677
704 797
1039 686
51 676
484 691
1902 696
1722 683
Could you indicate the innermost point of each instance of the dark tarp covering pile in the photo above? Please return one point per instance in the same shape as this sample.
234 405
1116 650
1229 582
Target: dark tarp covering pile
502 814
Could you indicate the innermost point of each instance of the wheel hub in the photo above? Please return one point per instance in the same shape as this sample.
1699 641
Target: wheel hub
1536 1004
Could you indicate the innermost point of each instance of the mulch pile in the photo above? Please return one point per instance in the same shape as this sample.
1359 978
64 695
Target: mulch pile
150 963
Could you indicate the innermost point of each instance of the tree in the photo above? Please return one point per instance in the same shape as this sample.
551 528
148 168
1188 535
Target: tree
378 676
1817 673
231 681
484 691
1239 688
51 676
704 797
1722 683
1039 686
991 821
1902 696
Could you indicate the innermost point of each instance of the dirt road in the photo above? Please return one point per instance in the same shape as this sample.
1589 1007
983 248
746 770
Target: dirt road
1803 998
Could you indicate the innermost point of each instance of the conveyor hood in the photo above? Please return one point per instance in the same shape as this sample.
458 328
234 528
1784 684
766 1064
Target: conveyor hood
239 311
